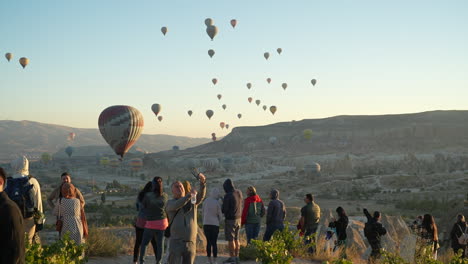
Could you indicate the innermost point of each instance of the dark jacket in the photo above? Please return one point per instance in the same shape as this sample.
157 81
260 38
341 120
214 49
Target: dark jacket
232 203
456 233
154 207
276 212
373 229
253 210
341 224
11 232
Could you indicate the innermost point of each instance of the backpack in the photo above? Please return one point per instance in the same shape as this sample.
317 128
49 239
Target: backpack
369 231
259 209
19 190
463 238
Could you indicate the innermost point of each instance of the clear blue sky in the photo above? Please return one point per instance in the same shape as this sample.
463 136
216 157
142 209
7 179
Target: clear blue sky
369 57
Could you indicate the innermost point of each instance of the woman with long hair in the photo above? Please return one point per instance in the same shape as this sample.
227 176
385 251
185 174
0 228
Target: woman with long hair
341 224
140 222
69 210
154 203
429 233
459 229
212 216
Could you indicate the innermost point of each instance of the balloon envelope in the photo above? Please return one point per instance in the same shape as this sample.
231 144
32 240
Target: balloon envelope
156 108
239 115
9 56
69 151
273 109
164 30
209 22
160 118
268 80
121 126
264 107
212 31
211 53
249 99
227 126
266 55
224 106
189 112
214 81
209 113
219 96
222 124
313 81
24 62
71 136
279 50
307 133
257 102
213 134
249 85
233 23
284 85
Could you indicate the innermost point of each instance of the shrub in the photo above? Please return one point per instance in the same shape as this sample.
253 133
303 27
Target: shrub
248 252
272 252
63 251
103 244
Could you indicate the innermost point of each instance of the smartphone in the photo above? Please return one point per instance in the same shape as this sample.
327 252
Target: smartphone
195 173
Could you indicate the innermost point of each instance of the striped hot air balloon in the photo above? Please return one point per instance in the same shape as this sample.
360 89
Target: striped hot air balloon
121 126
136 164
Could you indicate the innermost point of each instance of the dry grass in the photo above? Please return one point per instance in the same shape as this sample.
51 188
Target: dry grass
103 243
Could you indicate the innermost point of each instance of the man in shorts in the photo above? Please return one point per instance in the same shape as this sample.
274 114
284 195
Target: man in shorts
232 210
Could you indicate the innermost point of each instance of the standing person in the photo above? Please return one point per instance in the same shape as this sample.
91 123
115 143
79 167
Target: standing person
69 210
429 233
11 228
459 229
212 216
373 231
25 191
310 217
232 211
55 195
182 216
276 213
252 213
154 204
140 223
341 224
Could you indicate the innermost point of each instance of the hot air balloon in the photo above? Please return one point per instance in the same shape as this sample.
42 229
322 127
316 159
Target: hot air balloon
136 164
156 109
104 161
249 85
266 55
46 158
164 30
9 56
121 126
284 85
257 102
233 23
114 163
227 126
71 136
307 133
213 134
209 113
268 80
69 151
313 81
222 124
264 107
313 168
160 118
24 62
219 96
212 31
272 140
213 138
211 53
189 112
273 109
214 81
224 106
175 148
239 116
249 99
279 50
209 22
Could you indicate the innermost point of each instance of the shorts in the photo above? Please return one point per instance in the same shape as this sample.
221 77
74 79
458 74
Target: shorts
231 229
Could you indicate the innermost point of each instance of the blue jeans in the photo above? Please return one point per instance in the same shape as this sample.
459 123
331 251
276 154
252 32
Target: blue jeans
270 229
149 234
252 230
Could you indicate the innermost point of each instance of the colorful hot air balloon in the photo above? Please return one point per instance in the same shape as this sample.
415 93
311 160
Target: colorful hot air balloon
121 126
136 164
209 113
284 85
213 134
268 80
69 151
233 23
164 30
227 126
224 106
71 136
219 96
239 116
24 62
213 138
264 107
266 55
257 102
273 109
249 99
222 124
9 56
214 81
211 31
307 133
156 108
211 53
209 22
175 148
160 118
249 85
190 112
279 50
114 163
313 81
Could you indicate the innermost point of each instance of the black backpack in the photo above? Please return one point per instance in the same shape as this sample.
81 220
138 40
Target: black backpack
20 191
370 231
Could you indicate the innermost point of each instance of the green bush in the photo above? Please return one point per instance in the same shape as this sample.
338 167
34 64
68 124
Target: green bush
103 244
248 252
272 252
63 251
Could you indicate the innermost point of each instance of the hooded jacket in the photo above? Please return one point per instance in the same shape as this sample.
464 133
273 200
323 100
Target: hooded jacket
253 210
276 212
212 214
232 202
11 231
20 167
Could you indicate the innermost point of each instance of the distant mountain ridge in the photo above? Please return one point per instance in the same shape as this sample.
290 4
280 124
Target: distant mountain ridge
34 138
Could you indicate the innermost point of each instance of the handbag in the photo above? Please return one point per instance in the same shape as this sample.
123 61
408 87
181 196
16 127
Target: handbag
167 232
463 238
59 222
